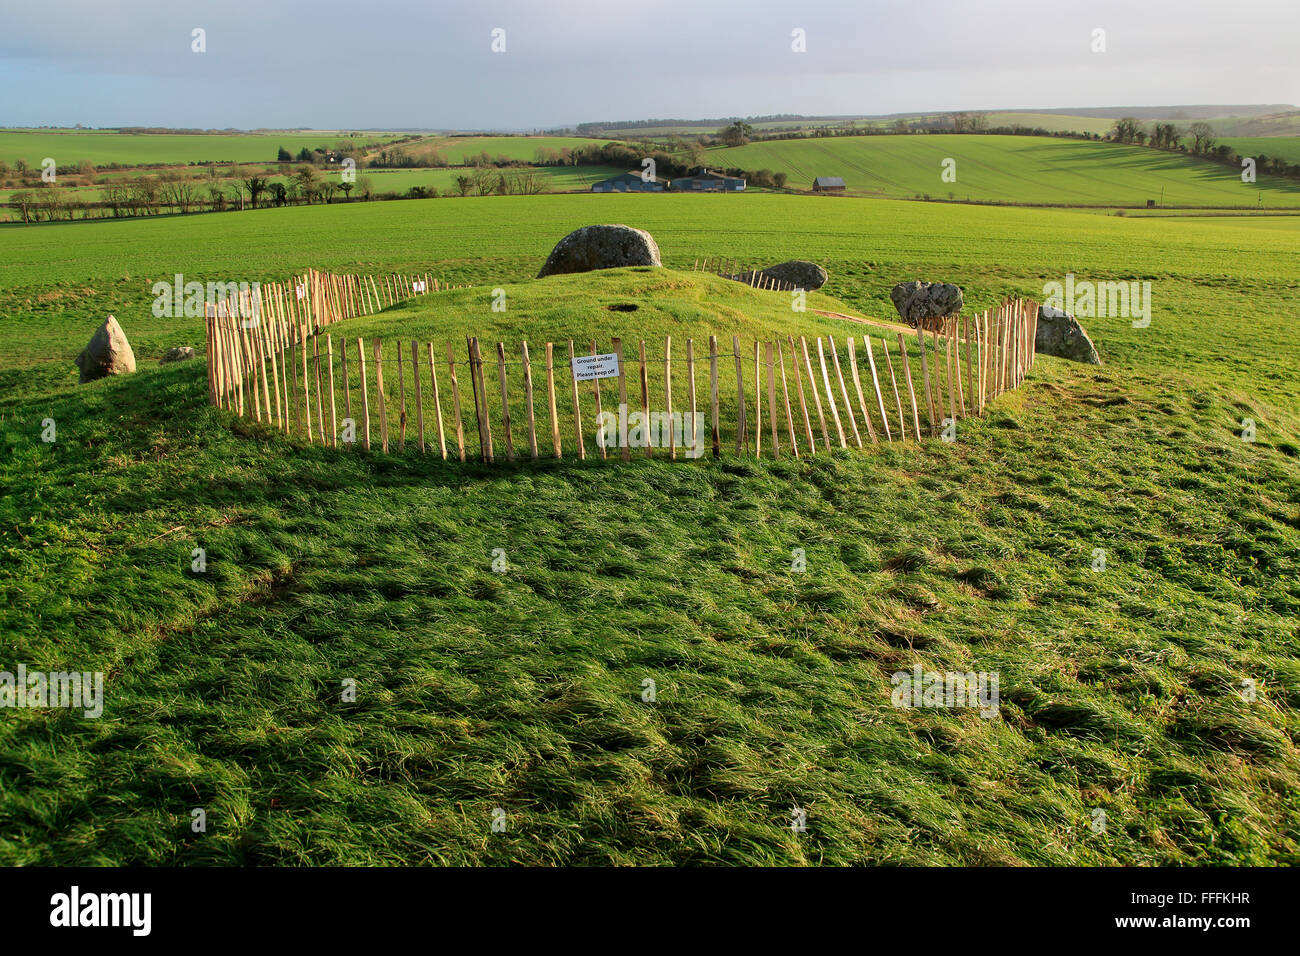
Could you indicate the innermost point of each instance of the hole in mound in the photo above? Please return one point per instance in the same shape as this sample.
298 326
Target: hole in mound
623 307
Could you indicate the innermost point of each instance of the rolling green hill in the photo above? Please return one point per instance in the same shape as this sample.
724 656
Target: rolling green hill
522 689
1015 169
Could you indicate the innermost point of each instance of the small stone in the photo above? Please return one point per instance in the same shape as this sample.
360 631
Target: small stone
177 353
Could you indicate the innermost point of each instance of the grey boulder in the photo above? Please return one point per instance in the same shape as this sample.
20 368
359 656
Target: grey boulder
918 301
601 247
799 273
108 353
1060 334
177 353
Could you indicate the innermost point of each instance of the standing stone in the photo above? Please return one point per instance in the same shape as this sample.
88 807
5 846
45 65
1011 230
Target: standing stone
601 247
108 353
919 301
1060 334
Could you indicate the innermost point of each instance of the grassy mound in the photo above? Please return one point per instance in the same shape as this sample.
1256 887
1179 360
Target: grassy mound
522 688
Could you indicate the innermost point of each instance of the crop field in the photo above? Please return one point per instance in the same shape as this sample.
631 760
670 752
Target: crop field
1020 169
70 147
459 149
1121 688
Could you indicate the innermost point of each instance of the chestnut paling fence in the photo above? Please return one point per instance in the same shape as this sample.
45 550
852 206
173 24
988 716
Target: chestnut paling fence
751 276
790 396
316 299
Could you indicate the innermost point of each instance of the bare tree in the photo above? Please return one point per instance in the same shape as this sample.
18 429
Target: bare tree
1203 134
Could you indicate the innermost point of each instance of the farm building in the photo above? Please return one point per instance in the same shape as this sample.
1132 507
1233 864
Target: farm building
828 184
630 182
706 180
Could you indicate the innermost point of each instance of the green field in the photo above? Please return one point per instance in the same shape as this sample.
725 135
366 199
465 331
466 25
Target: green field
557 178
1121 690
1017 169
70 147
1056 122
1287 147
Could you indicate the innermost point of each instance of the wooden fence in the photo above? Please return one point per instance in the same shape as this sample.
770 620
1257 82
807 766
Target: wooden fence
732 269
816 394
317 299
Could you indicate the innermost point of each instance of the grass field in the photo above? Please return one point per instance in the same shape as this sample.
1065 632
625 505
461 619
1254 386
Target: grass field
1056 122
1120 689
1287 147
1019 169
70 147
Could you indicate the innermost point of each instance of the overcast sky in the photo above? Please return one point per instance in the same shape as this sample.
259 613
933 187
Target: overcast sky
401 63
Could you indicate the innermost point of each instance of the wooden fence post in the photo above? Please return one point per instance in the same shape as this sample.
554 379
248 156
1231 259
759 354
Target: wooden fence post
617 344
742 441
505 401
803 405
419 398
907 368
830 398
875 381
857 387
379 393
334 431
713 392
401 392
528 401
785 394
844 392
668 396
480 399
437 404
690 392
550 398
577 408
758 404
771 398
893 381
365 393
645 400
601 436
925 374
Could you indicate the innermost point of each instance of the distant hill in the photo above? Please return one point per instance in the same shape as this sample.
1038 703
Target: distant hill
1278 119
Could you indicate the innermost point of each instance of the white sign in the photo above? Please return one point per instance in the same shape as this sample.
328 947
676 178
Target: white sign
588 367
417 286
301 290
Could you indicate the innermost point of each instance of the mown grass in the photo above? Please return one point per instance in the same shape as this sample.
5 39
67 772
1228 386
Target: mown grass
1121 689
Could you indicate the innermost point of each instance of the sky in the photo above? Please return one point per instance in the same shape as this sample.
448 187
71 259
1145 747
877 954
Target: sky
343 64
